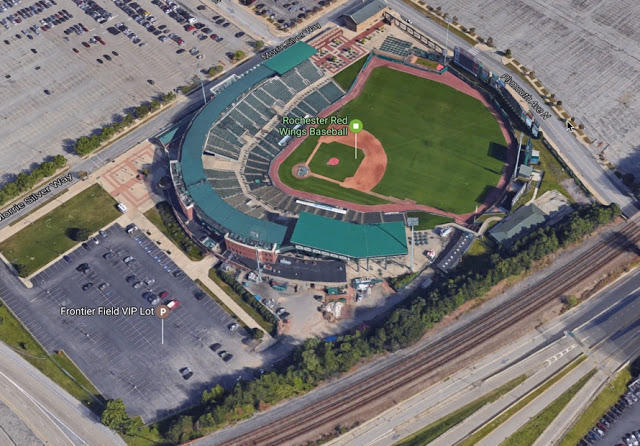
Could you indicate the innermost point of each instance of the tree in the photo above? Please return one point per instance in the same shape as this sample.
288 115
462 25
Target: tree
490 41
532 74
553 96
628 179
455 20
80 234
211 71
259 44
581 126
59 161
115 417
571 301
238 55
23 270
214 395
257 333
559 103
142 111
181 430
154 105
472 30
507 52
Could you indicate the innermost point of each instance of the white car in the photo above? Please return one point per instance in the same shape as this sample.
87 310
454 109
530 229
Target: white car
122 208
233 327
95 240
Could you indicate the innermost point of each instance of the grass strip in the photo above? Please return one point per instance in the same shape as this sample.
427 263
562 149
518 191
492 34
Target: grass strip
267 326
163 218
428 221
600 405
18 338
427 63
504 416
49 236
439 427
44 203
529 433
346 77
222 304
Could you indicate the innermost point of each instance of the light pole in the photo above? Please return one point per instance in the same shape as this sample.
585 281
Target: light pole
204 96
446 43
412 221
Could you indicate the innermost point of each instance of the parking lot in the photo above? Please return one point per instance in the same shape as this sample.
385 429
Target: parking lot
52 94
618 431
126 356
285 12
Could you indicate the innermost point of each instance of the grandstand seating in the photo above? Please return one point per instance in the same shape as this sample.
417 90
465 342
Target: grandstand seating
278 90
306 108
293 80
309 71
259 106
259 151
243 121
265 97
317 101
257 118
232 125
331 91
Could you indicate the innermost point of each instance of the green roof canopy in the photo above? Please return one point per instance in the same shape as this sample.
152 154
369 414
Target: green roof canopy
204 196
290 58
350 239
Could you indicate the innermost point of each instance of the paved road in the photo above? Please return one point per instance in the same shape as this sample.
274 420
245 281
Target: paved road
603 182
43 413
539 354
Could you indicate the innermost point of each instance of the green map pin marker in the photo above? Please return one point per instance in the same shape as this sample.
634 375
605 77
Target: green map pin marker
355 126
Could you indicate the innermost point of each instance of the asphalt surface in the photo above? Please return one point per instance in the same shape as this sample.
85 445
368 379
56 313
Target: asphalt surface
173 115
603 181
35 411
134 357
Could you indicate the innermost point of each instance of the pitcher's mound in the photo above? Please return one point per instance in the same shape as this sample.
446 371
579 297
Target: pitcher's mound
333 162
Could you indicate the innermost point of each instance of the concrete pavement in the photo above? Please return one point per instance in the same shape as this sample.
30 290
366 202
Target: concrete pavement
50 413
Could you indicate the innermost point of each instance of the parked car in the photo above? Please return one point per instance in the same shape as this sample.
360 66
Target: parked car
186 373
173 304
164 294
82 267
199 295
86 286
108 255
215 347
233 327
131 279
103 286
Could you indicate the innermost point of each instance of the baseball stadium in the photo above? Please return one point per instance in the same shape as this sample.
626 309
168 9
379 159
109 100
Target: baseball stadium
426 141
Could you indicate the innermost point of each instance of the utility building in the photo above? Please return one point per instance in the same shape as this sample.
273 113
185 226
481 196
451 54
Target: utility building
365 14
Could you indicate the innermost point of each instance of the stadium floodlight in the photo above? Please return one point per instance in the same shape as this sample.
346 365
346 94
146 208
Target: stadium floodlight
446 43
412 221
204 96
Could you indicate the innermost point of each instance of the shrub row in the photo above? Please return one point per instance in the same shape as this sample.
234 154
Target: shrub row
317 360
247 297
24 182
87 144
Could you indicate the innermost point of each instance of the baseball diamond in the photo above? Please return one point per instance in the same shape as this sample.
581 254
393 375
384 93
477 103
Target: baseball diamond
446 148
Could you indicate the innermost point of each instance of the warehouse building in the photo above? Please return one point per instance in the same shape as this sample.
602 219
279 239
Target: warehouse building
364 15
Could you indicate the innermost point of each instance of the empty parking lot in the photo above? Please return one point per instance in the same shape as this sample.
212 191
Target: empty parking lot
126 356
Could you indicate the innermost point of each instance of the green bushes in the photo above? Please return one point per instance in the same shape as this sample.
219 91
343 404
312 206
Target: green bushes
164 219
317 360
24 182
248 298
397 283
87 144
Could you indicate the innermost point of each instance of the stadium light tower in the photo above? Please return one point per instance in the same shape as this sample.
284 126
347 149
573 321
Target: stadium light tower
204 96
446 43
412 221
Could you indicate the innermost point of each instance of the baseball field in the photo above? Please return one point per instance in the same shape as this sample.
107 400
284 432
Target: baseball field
444 148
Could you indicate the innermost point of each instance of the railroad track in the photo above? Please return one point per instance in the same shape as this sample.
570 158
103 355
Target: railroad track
421 365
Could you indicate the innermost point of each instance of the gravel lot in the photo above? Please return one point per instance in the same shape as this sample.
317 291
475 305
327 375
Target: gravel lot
84 94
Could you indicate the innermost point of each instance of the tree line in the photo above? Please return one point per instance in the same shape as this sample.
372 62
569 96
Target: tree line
317 360
24 182
87 144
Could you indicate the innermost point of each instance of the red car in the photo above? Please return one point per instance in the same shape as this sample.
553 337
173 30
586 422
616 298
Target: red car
189 28
213 36
86 45
173 304
164 295
75 50
99 39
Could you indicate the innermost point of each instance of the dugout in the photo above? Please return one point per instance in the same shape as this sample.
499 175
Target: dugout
347 241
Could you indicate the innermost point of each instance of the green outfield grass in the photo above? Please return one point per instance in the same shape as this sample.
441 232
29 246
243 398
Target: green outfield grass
445 149
316 185
348 163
